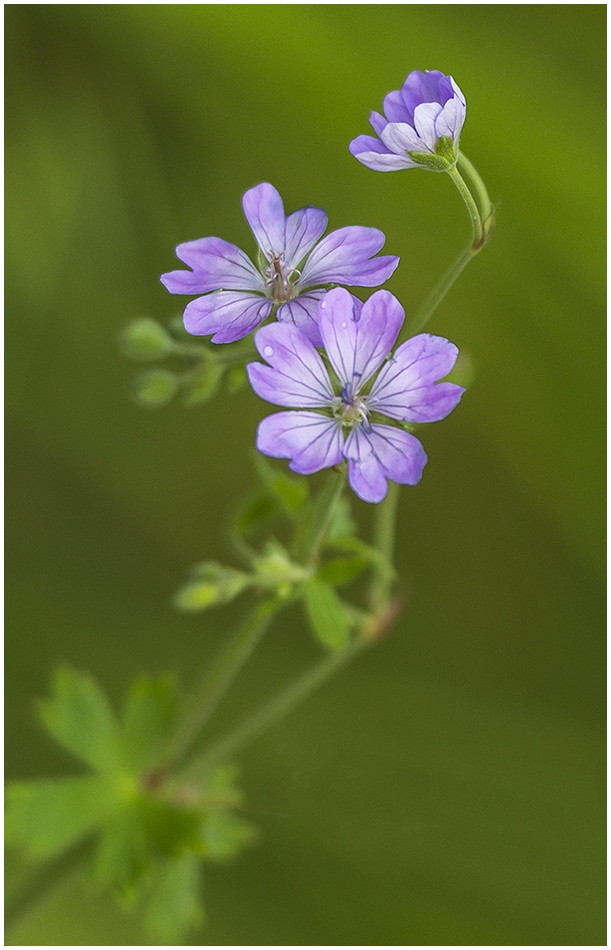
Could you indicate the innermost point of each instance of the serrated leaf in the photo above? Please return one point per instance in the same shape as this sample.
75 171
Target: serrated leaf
122 858
168 827
149 712
46 817
341 570
79 717
330 619
203 386
175 904
224 836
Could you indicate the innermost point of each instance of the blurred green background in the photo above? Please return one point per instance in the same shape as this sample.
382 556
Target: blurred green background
447 788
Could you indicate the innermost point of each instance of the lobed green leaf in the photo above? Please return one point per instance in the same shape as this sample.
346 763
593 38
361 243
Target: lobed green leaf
175 903
150 709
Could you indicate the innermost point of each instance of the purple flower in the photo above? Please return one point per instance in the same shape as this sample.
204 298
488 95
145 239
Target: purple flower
421 126
327 424
291 277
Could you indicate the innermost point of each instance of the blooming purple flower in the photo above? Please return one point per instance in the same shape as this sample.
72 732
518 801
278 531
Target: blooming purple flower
291 278
421 126
327 424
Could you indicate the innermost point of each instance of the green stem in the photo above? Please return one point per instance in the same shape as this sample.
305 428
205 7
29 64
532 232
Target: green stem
481 229
274 710
384 541
309 539
217 680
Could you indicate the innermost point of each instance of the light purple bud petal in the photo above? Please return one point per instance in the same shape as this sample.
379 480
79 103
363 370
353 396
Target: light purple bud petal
227 314
310 440
344 257
425 116
429 86
302 311
303 229
451 120
407 386
401 138
296 375
265 214
375 155
216 265
383 452
358 343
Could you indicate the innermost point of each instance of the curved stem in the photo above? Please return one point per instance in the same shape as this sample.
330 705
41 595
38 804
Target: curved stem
217 680
485 205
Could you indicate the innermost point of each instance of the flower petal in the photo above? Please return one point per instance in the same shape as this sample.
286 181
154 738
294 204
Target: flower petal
344 257
302 311
303 229
265 214
401 138
296 375
394 108
216 265
407 387
378 122
383 452
451 119
425 116
374 154
357 343
229 315
312 441
429 86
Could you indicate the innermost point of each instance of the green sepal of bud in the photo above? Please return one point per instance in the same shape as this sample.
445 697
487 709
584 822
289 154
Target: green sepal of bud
444 158
154 388
212 584
274 569
145 339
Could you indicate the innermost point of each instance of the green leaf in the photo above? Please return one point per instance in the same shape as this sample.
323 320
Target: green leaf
341 570
224 836
79 717
204 384
47 817
330 619
154 388
291 493
168 827
254 512
145 339
122 858
149 712
175 904
213 584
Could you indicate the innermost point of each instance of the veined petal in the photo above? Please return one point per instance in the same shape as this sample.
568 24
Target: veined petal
401 138
227 314
312 441
303 229
425 116
383 452
216 265
344 257
451 119
302 311
407 387
374 154
429 86
265 214
296 375
358 343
